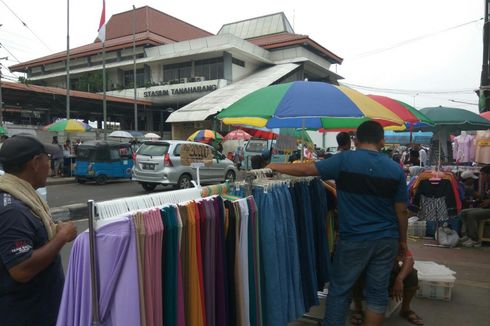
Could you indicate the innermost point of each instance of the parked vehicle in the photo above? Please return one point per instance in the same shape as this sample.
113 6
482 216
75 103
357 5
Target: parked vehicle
100 161
159 162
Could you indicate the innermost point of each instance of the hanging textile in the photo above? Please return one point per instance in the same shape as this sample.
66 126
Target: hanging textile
464 148
118 272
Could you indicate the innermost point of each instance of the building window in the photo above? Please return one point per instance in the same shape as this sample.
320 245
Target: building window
209 69
238 62
140 78
177 71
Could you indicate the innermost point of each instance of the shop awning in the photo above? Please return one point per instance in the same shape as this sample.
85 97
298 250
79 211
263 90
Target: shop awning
213 103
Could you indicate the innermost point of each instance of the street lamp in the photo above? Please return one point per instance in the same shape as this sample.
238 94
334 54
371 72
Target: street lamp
1 100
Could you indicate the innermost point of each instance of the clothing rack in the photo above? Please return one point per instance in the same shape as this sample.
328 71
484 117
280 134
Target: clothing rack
116 207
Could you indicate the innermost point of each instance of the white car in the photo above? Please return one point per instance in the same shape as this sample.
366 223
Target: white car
43 192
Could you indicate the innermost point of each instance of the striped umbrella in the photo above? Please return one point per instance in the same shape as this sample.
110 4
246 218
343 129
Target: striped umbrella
237 134
206 136
412 117
68 125
303 104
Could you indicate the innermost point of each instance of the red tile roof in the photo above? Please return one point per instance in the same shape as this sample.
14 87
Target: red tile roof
281 40
62 91
155 21
94 48
152 27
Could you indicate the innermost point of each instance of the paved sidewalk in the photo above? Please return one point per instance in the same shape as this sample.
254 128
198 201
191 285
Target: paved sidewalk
470 302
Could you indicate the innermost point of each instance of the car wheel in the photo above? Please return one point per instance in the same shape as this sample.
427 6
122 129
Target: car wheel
101 179
184 181
230 176
148 186
81 181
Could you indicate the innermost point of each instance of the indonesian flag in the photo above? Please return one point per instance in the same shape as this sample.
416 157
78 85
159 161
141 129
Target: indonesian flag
102 23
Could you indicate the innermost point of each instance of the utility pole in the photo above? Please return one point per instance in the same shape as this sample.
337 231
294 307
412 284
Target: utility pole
67 59
134 70
1 99
485 75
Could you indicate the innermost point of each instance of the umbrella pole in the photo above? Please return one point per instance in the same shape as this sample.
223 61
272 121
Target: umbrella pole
303 140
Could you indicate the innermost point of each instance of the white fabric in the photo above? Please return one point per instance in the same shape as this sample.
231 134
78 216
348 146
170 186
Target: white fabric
243 258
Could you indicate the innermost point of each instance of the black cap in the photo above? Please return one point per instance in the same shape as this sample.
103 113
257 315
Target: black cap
20 149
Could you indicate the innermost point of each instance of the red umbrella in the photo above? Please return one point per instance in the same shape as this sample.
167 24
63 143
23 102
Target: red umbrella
486 115
237 134
258 133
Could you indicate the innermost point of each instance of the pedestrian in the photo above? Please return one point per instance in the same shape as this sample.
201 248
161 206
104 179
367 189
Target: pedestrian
372 209
56 158
404 283
472 216
31 274
344 141
238 157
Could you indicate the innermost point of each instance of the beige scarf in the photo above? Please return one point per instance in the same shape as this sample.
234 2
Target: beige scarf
23 191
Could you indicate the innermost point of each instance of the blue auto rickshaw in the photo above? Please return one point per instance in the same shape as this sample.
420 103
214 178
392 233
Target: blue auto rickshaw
100 161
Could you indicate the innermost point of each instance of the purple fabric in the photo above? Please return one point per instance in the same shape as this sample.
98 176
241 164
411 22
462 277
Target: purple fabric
220 263
117 282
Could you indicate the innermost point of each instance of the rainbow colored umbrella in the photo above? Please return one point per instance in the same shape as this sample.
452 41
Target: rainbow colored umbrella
206 136
237 134
302 104
68 125
412 117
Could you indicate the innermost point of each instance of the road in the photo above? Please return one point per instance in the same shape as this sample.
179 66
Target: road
74 193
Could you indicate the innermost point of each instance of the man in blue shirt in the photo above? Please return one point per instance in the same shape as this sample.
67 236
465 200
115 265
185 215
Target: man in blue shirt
372 197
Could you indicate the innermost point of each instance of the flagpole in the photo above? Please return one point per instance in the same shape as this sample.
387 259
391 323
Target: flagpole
67 59
104 102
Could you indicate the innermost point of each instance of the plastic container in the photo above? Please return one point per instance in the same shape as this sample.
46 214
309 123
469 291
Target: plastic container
436 281
417 229
438 290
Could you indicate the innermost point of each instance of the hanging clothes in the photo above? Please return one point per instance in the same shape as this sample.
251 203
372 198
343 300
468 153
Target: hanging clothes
117 270
464 148
482 142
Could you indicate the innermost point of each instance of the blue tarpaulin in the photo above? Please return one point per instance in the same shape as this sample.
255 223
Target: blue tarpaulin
419 137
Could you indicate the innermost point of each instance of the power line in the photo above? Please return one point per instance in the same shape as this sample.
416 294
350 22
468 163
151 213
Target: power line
3 46
410 91
25 25
415 39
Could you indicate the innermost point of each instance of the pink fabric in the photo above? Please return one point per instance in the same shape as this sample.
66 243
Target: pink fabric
464 148
153 267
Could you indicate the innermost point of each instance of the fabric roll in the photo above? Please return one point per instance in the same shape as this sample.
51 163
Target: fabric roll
220 262
272 307
170 267
230 245
304 227
296 307
319 207
153 267
139 224
117 272
181 319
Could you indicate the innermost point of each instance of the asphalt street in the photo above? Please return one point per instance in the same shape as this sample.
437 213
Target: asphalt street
74 193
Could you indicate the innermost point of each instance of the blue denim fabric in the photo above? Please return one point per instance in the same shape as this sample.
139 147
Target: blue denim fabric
304 226
295 303
270 271
351 258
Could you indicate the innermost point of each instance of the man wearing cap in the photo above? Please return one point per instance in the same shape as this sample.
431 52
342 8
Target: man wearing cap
31 274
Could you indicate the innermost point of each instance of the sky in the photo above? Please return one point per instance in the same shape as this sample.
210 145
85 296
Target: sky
423 52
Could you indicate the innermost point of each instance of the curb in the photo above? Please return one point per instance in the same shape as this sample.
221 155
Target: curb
59 181
69 212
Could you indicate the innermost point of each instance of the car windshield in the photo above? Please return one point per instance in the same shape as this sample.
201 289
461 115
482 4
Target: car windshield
153 149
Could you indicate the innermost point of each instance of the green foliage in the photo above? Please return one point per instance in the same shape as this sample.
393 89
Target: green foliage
90 82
